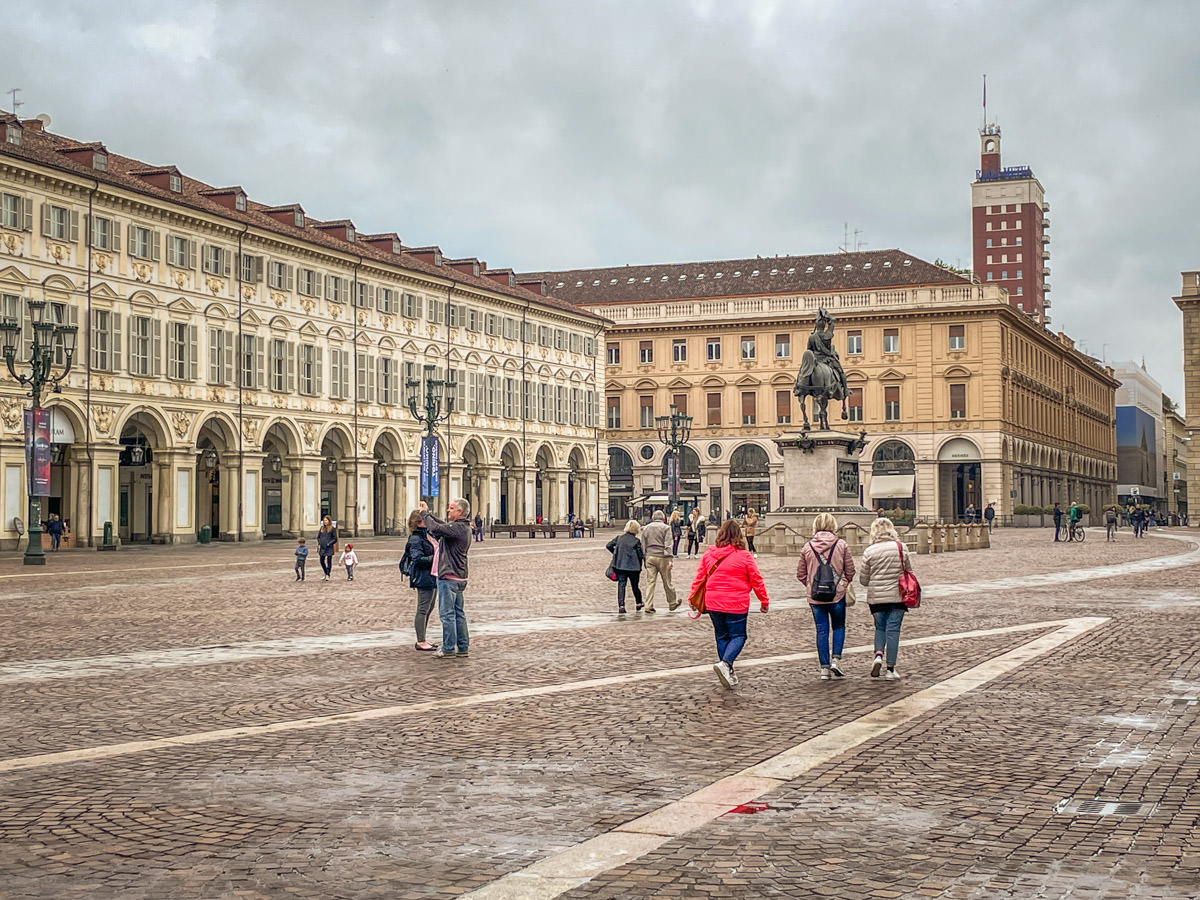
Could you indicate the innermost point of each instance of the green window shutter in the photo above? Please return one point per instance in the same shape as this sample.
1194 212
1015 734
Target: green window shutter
155 246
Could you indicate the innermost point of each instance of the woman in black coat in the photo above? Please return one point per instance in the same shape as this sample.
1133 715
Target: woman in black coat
628 558
419 552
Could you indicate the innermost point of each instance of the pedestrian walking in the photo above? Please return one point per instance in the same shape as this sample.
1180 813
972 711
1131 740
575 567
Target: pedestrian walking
825 569
989 516
693 534
327 543
1110 523
55 529
655 538
478 529
450 564
751 527
418 552
676 531
882 564
1057 522
301 558
729 573
628 558
349 559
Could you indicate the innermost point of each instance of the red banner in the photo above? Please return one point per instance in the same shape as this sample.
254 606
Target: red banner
37 451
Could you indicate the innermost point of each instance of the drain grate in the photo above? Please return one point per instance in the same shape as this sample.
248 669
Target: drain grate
1073 806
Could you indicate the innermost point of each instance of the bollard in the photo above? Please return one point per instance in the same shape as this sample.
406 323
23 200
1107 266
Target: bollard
951 538
922 539
937 539
985 538
107 543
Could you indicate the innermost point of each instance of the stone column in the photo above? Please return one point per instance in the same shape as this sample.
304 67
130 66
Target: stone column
558 494
175 495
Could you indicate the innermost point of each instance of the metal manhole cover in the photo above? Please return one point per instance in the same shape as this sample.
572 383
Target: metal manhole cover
1098 806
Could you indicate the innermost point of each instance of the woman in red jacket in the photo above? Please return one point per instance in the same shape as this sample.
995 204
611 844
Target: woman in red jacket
732 573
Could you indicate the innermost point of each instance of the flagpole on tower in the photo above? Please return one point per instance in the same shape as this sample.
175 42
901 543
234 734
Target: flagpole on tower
985 101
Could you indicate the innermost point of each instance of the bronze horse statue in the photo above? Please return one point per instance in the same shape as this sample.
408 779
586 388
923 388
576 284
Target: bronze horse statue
820 376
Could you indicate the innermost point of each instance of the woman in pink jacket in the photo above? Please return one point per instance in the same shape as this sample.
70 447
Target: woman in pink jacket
829 613
732 573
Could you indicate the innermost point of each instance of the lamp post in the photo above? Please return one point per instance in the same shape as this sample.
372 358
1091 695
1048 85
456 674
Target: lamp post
431 408
47 337
673 431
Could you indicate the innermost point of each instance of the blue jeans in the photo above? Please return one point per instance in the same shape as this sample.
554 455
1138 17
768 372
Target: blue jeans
450 611
829 615
887 629
730 629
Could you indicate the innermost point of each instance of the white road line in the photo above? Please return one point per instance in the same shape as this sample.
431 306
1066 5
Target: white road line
107 751
567 869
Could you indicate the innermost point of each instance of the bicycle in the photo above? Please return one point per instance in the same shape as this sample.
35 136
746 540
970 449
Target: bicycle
1075 533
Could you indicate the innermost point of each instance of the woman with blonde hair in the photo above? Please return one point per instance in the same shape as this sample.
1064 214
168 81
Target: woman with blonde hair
676 524
628 559
827 600
729 574
883 563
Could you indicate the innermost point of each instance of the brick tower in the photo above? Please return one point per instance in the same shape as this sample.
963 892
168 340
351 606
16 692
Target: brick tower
1010 228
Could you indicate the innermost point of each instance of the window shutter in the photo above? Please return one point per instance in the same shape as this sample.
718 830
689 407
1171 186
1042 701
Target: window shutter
115 341
228 348
74 235
214 356
191 254
360 380
156 347
46 219
226 261
129 237
114 232
129 350
291 367
95 344
260 352
318 383
155 246
370 381
290 277
193 351
89 227
316 285
345 293
330 291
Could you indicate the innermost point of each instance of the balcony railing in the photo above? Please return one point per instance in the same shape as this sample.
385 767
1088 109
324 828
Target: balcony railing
1006 174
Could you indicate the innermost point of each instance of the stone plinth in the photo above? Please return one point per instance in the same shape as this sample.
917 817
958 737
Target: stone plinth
820 474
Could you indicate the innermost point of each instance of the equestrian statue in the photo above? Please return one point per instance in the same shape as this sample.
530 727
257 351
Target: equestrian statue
821 376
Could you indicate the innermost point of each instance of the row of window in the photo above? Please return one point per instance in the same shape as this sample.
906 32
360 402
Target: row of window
713 411
141 242
1004 243
748 346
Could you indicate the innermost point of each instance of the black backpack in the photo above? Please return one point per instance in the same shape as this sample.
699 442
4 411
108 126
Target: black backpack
406 567
825 582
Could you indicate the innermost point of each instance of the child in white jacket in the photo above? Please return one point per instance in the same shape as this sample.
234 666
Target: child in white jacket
349 559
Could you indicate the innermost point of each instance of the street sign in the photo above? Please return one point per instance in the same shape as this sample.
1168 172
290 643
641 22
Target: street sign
1135 491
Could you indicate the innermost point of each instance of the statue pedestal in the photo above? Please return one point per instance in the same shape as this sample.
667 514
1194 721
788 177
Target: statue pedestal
820 474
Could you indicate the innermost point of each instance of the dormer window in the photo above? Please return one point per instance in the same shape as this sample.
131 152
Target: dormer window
13 134
100 162
239 202
298 218
349 235
396 249
829 268
176 184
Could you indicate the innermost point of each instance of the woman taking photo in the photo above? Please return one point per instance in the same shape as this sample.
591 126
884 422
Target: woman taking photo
828 609
327 541
730 573
628 559
421 578
882 564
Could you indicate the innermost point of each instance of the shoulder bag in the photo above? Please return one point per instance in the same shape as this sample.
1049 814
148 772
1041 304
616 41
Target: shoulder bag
696 597
910 588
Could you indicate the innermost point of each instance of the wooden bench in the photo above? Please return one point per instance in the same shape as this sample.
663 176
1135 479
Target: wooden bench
514 529
533 531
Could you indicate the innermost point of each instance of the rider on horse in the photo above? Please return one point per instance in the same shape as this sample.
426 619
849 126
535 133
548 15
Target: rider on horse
810 380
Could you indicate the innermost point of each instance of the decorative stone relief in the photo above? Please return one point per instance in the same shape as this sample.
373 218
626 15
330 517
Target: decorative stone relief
179 389
335 310
364 437
362 317
408 326
310 430
248 291
493 445
431 330
279 401
387 323
279 298
101 261
12 413
103 417
249 398
14 244
307 304
102 382
141 386
216 395
141 272
250 428
180 277
214 285
182 423
59 252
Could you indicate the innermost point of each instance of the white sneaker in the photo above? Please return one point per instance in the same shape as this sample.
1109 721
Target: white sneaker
891 675
877 665
756 556
835 666
825 673
722 670
733 679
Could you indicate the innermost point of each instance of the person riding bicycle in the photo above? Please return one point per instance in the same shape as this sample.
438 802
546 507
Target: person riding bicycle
1073 514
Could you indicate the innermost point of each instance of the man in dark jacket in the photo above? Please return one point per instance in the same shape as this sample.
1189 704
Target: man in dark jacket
454 543
1057 521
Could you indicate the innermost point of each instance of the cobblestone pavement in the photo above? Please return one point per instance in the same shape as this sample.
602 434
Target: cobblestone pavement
192 723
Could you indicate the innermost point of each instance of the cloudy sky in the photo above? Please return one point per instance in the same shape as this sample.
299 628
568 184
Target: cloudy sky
544 134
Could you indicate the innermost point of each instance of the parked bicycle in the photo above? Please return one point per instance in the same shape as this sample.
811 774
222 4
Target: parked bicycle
1075 533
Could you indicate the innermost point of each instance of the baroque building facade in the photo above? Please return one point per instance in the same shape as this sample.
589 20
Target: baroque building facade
245 367
965 399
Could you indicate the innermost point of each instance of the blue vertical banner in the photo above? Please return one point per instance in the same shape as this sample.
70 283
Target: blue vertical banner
430 463
673 473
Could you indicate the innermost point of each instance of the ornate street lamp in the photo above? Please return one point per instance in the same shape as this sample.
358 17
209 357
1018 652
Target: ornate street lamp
673 431
47 338
430 410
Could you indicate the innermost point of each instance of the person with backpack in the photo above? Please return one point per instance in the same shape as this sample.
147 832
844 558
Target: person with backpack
417 564
1110 522
825 568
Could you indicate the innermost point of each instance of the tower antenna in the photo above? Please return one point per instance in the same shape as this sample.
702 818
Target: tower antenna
15 102
985 101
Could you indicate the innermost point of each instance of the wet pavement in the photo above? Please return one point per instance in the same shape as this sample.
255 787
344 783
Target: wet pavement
192 723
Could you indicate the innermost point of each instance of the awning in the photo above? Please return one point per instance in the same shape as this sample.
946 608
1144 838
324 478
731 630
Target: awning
892 487
661 499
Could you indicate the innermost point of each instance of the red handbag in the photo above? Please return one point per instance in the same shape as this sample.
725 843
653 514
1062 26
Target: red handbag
910 588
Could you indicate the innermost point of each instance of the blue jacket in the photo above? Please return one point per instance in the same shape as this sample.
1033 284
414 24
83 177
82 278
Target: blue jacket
420 552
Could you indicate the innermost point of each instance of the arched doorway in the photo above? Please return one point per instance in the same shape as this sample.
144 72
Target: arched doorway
749 480
142 436
620 484
959 478
390 516
216 466
336 455
543 486
510 485
474 483
68 471
281 513
578 502
893 481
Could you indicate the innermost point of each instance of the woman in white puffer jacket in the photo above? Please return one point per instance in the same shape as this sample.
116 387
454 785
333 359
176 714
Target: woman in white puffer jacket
880 574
